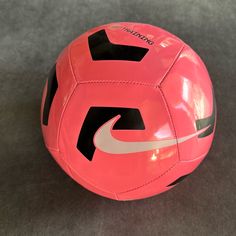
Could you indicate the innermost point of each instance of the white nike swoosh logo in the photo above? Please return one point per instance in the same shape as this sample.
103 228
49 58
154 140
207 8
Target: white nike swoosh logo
104 141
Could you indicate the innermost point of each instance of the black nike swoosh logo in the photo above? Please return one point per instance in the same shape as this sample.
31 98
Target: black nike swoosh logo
102 49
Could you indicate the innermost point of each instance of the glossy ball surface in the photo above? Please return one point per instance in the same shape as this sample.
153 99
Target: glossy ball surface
128 110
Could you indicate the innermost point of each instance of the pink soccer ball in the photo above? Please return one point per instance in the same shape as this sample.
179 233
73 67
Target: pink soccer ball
128 110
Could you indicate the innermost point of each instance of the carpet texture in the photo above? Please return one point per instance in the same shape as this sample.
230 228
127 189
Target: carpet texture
36 196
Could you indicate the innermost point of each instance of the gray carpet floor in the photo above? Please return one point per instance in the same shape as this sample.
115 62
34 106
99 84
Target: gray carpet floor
36 196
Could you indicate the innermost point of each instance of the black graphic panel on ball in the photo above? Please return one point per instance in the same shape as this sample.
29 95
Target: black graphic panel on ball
51 91
178 180
130 119
102 49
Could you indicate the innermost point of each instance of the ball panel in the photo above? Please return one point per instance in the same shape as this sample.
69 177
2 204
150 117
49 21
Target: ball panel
117 172
161 183
153 66
65 86
189 94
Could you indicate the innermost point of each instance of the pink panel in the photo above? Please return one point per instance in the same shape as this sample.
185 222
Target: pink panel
153 66
161 182
115 172
188 91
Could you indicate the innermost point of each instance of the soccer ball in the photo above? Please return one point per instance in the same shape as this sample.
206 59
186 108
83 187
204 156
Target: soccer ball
128 110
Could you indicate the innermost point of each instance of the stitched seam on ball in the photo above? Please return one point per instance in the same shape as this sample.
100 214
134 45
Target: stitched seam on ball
71 67
171 66
171 118
149 182
115 82
62 116
202 156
